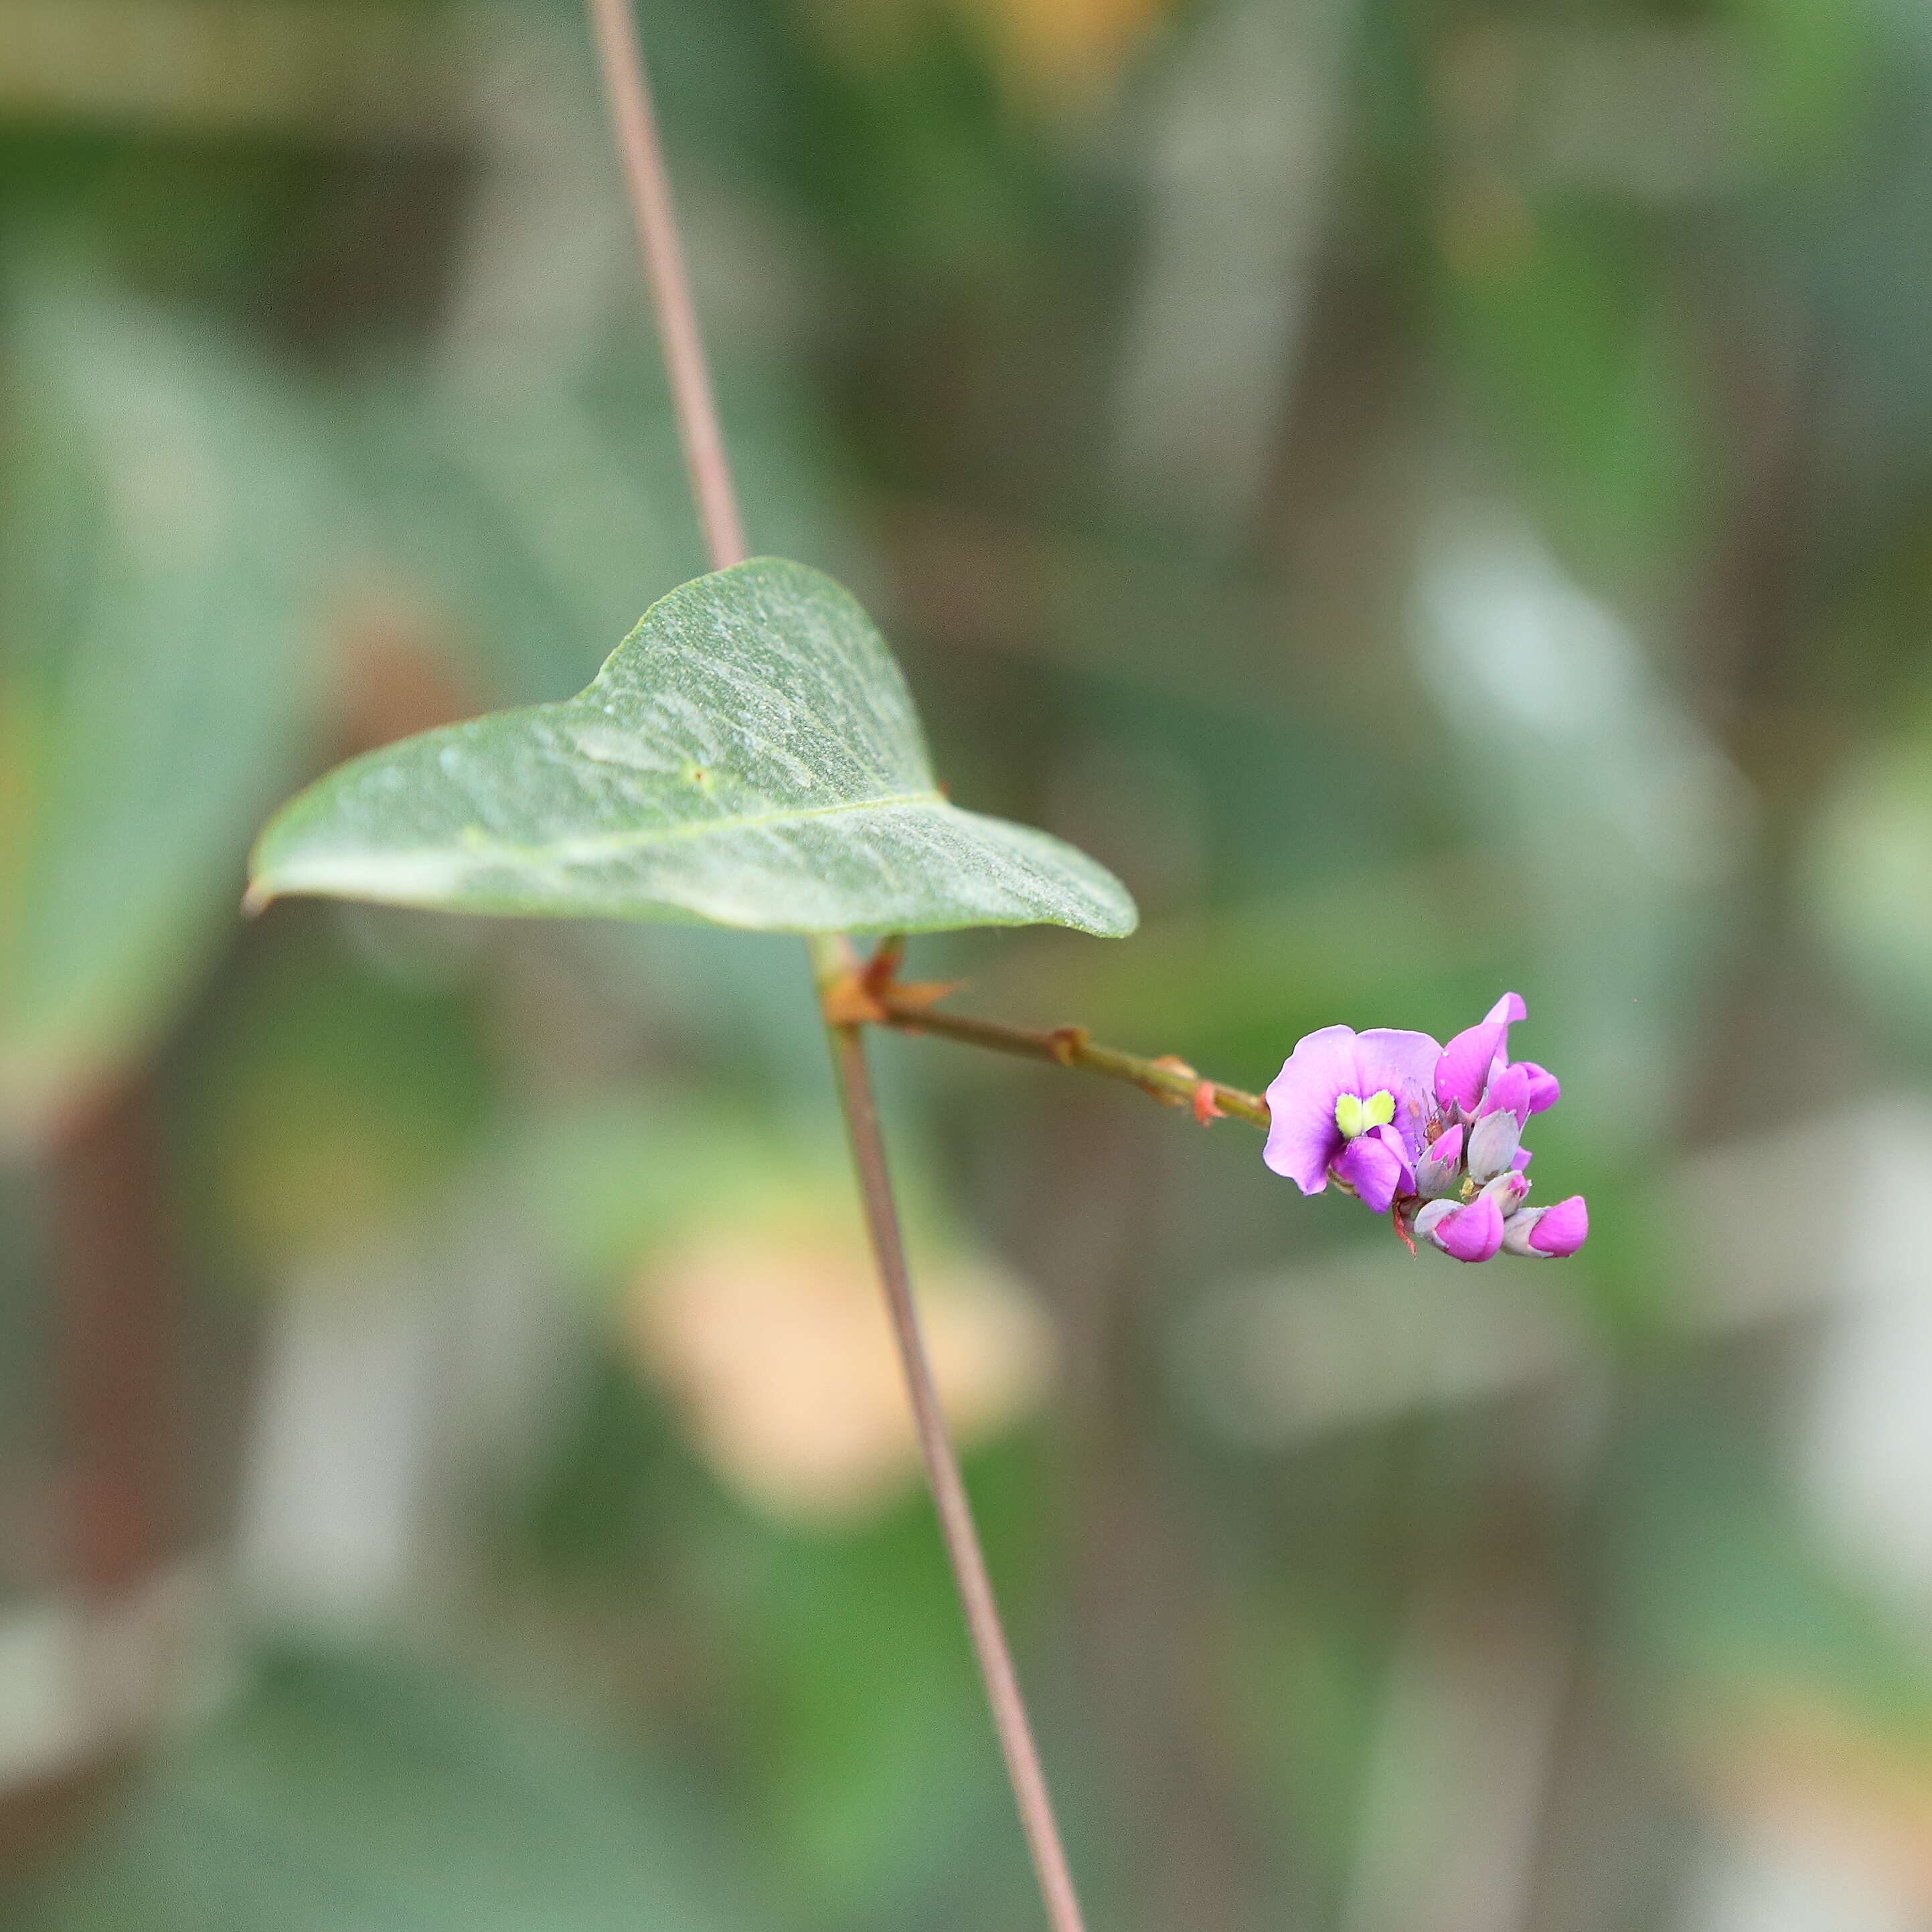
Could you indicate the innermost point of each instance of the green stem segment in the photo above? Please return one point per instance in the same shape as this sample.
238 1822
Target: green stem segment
621 59
1165 1079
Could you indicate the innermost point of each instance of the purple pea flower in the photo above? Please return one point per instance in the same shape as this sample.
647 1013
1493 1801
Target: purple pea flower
1351 1104
1429 1135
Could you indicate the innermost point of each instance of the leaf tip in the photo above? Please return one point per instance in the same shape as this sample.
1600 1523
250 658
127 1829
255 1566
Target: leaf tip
1120 920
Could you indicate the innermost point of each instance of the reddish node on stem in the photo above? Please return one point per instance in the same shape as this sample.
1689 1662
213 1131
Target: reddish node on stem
849 1001
918 994
1206 1107
1067 1042
874 983
1169 1063
878 971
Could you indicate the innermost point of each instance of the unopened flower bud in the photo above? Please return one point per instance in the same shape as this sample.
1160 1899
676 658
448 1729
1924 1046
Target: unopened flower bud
1508 1190
1517 1230
1439 1169
1429 1215
1549 1234
1471 1234
1493 1141
1563 1228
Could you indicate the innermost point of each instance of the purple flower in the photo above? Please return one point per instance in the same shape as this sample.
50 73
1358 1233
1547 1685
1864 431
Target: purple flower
1429 1134
1310 1123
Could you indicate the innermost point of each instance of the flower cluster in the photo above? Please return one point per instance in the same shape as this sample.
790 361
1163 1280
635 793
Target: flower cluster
1431 1135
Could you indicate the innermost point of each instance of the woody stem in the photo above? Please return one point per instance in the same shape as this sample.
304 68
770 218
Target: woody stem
968 1560
707 462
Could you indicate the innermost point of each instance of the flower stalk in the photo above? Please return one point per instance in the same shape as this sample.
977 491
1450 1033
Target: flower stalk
1430 1136
870 995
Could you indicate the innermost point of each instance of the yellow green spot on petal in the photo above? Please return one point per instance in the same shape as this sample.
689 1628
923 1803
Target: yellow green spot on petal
1353 1115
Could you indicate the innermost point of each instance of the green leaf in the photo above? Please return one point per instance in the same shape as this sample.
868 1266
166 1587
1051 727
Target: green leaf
169 523
542 501
330 1105
354 1791
749 757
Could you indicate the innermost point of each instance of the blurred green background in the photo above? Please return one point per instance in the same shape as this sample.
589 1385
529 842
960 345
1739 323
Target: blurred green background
1438 495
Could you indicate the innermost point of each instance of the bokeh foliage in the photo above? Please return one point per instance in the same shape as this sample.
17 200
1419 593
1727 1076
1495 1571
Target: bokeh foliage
1435 498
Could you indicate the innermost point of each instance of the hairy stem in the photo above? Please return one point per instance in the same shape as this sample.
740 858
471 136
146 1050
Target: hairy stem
621 59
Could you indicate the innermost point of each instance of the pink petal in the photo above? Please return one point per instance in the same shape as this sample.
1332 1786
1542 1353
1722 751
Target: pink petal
1391 1138
1545 1091
1562 1229
1464 1065
1372 1168
1508 1009
1387 1059
1471 1234
1507 1093
1303 1138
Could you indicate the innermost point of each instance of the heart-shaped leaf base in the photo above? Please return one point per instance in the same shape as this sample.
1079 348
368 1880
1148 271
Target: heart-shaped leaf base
749 756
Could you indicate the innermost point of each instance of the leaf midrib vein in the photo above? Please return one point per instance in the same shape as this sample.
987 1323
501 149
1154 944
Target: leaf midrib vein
601 844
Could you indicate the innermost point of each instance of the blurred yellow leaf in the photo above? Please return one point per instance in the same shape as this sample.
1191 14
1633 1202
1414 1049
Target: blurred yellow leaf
775 1340
1053 54
1815 1768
